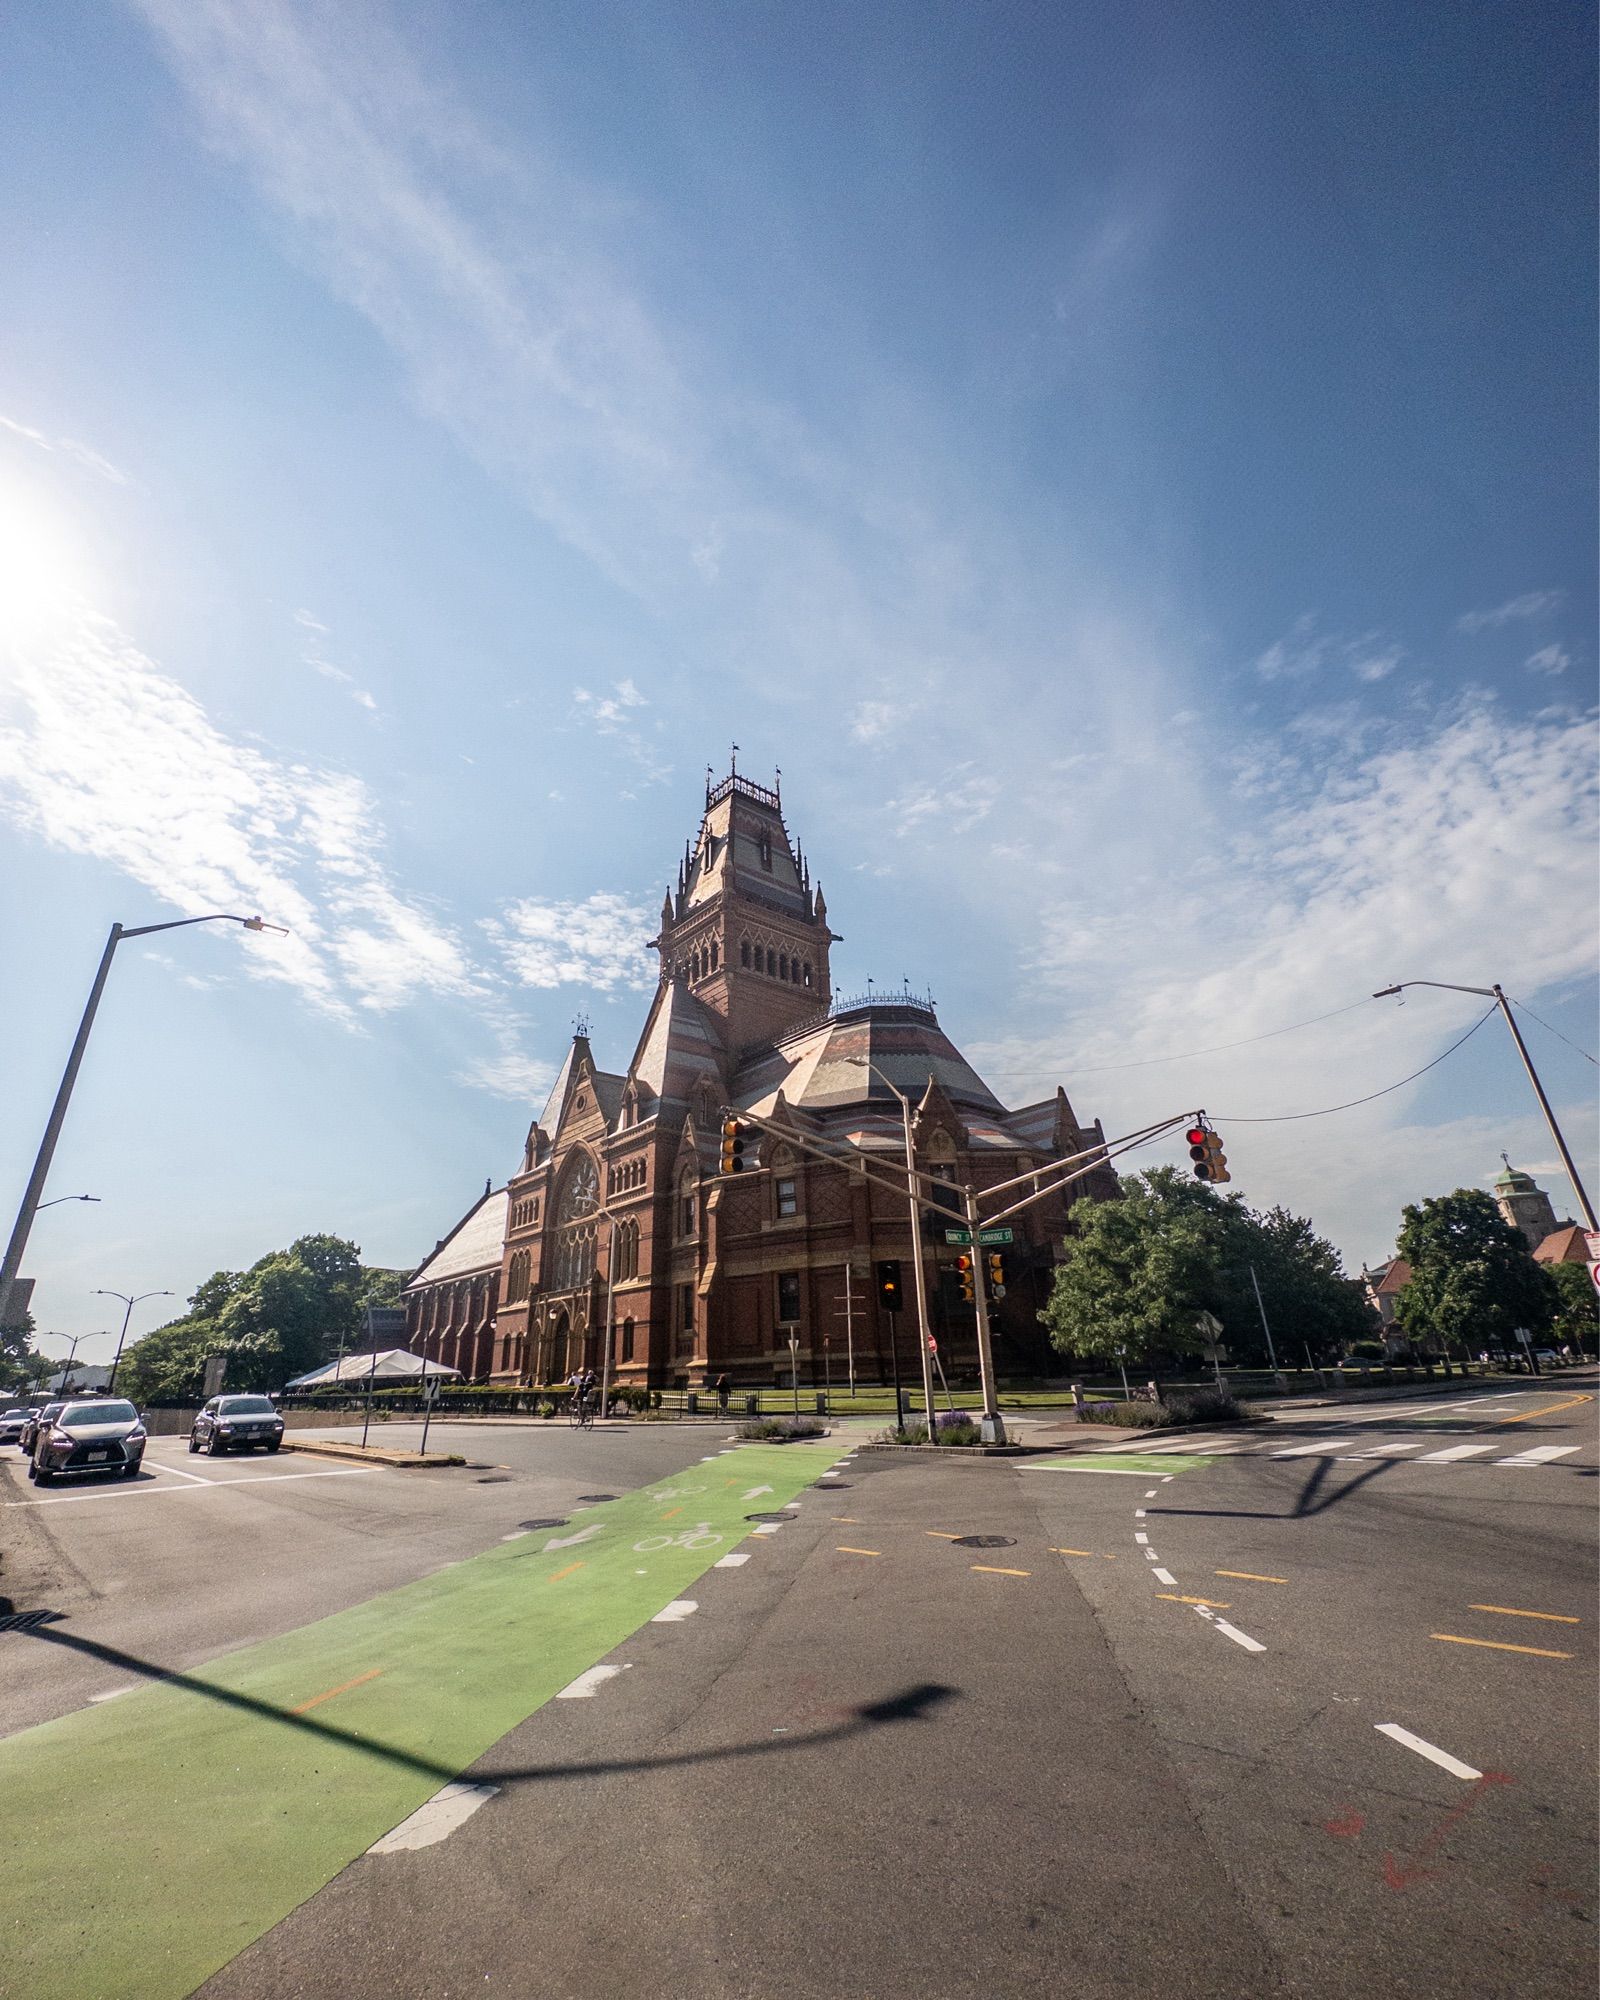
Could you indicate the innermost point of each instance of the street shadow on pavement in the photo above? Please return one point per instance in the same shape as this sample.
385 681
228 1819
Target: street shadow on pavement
1310 1500
911 1704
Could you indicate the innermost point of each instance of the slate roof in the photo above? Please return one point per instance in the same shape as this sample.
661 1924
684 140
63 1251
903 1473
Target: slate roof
681 1045
1567 1245
473 1246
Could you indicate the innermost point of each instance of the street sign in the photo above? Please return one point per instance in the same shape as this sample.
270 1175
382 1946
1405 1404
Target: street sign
1592 1238
963 1237
1594 1273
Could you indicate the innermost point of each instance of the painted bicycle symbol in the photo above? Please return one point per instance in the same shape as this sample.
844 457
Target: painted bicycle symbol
700 1536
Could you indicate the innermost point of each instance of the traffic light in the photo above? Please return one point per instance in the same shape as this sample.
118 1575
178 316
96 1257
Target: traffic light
964 1266
889 1285
997 1274
732 1146
1205 1149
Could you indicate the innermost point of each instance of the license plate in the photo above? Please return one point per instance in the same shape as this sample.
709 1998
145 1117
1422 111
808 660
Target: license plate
98 1457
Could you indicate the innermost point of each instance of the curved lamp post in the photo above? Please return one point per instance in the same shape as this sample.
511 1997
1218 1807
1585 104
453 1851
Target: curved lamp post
31 1204
137 1299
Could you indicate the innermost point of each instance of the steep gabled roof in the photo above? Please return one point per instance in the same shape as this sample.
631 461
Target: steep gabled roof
825 1066
1567 1245
473 1246
681 1046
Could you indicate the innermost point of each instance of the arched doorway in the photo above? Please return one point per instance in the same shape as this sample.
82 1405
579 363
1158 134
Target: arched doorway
556 1369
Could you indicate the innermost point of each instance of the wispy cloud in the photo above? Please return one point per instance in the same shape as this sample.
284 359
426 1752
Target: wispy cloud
81 454
1304 650
1531 604
872 719
600 943
615 714
954 805
1553 659
103 754
313 651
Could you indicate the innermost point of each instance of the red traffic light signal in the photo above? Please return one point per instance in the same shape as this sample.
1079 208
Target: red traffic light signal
1205 1149
1196 1135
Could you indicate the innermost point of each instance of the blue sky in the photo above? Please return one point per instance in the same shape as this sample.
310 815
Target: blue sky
1132 470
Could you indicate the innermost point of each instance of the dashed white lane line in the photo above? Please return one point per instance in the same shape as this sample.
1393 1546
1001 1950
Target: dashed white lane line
1423 1748
730 1562
1142 1540
1456 1451
1167 1478
768 1528
516 1534
675 1612
1164 1576
1151 1494
1541 1454
1150 1555
436 1820
1140 1512
589 1684
121 1492
1239 1638
111 1694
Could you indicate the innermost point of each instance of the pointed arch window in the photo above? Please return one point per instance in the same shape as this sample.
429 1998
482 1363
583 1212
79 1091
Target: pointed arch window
744 951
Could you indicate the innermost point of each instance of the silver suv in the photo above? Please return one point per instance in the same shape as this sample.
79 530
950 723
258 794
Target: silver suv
244 1422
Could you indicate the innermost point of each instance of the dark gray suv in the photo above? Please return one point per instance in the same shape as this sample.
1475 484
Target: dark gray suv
100 1436
237 1422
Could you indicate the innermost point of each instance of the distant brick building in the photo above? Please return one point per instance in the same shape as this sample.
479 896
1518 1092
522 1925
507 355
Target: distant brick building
710 1274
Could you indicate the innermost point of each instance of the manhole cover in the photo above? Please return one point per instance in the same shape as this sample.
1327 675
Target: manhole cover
594 1499
553 1522
495 1479
769 1517
986 1541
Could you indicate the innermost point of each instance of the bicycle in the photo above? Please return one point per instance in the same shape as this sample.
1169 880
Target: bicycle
700 1536
580 1413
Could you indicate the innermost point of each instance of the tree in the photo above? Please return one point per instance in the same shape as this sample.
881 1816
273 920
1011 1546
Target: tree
1141 1269
19 1362
1577 1320
1473 1280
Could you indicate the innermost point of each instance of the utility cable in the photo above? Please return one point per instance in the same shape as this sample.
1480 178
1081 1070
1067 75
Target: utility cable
1183 1055
1532 1016
1288 1117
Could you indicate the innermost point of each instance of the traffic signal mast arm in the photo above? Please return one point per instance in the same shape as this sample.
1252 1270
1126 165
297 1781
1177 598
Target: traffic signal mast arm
1093 1157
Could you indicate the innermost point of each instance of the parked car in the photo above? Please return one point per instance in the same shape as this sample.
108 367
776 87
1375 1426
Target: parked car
243 1421
30 1430
12 1424
100 1436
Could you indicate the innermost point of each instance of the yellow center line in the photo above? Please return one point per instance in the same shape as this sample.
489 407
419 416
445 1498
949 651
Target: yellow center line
839 1550
1498 1646
845 1520
1210 1602
560 1573
1549 1410
344 1687
1080 1552
1505 1611
988 1569
1249 1576
939 1535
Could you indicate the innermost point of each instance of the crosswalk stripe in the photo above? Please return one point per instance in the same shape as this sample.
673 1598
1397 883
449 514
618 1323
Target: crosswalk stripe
1306 1450
1392 1450
1540 1454
1456 1451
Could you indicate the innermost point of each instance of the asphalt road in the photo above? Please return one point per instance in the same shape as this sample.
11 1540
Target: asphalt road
872 1761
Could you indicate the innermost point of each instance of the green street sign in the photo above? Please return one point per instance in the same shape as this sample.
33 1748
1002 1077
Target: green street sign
963 1237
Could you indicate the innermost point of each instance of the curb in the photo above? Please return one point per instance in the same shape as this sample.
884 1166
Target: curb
372 1454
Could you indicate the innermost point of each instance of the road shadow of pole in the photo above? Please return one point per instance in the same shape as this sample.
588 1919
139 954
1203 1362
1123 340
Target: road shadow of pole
912 1704
1310 1500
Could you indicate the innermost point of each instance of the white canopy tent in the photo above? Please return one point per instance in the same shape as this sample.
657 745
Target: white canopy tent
392 1365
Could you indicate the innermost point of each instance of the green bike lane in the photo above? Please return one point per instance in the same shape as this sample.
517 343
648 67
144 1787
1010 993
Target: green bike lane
157 1835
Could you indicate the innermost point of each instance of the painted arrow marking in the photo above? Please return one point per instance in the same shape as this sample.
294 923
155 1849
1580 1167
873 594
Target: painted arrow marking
756 1492
571 1541
1404 1875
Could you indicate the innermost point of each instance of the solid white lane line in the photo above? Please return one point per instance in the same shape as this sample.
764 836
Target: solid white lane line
1423 1748
1142 1540
213 1485
181 1471
730 1562
1541 1454
1164 1576
1456 1451
675 1612
1239 1638
436 1820
589 1684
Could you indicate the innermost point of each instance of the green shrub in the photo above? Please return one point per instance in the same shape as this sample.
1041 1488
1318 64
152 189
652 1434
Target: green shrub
1202 1406
783 1428
1132 1416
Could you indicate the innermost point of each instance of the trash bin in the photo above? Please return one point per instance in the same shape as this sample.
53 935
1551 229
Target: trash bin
752 1406
691 1404
822 1402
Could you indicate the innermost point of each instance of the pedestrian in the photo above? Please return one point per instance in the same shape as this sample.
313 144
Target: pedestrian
724 1387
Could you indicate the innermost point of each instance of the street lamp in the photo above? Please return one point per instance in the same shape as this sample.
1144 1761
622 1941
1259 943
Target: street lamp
130 1303
18 1245
72 1351
60 1198
924 1334
1495 994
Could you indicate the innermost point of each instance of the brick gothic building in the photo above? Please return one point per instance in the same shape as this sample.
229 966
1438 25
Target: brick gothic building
712 1274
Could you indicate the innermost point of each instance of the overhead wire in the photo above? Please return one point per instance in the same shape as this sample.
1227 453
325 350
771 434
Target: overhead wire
1289 1117
1532 1016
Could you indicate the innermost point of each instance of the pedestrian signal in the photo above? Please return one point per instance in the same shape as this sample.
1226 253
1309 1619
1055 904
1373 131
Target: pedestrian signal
732 1146
889 1285
1205 1149
964 1267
